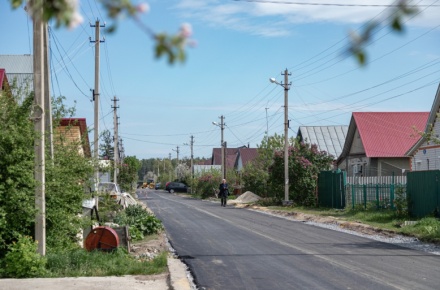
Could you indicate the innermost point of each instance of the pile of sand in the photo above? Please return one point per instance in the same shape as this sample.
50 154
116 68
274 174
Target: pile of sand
247 197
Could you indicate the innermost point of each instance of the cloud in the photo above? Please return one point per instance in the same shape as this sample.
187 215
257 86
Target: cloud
275 20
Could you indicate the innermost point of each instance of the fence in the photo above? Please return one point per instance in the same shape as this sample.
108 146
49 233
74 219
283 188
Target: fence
331 189
423 193
379 190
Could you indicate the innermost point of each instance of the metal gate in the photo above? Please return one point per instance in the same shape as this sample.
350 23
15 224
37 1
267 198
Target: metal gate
423 189
331 189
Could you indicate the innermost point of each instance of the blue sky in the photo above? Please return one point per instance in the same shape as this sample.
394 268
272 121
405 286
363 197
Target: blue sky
240 46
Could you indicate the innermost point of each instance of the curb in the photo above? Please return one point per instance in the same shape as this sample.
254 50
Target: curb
178 274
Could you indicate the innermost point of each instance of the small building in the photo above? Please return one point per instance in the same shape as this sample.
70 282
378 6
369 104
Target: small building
377 142
330 139
19 72
425 153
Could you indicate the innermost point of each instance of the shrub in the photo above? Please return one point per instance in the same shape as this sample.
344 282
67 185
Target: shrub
139 220
23 261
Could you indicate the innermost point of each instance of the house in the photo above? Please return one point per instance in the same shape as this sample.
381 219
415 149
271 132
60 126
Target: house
425 153
4 84
74 130
235 158
19 72
245 155
377 142
330 139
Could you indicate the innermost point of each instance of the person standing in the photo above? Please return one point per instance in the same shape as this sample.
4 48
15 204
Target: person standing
224 192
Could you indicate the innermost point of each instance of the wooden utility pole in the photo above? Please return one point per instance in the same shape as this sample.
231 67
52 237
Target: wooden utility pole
39 127
115 140
96 99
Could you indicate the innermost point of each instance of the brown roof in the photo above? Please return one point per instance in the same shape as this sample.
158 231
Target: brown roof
248 154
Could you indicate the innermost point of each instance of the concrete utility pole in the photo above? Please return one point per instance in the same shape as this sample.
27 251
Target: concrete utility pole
96 99
115 140
286 87
222 127
39 127
47 99
192 157
286 138
177 151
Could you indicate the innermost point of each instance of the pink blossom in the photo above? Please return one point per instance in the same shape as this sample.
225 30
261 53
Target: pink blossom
186 30
143 8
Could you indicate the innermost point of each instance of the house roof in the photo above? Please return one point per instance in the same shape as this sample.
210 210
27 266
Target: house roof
19 68
385 134
247 155
327 138
2 77
431 120
81 123
217 155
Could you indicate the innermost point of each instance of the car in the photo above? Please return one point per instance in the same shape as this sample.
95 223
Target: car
157 186
176 187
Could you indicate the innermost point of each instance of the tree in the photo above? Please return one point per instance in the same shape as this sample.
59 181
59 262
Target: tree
106 148
128 172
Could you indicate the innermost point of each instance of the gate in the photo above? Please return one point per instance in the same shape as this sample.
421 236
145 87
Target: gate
423 189
331 189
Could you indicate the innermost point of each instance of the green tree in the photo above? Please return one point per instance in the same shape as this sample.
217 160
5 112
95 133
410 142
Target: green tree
128 173
17 205
106 148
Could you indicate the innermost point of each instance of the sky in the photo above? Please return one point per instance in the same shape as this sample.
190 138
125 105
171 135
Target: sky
240 45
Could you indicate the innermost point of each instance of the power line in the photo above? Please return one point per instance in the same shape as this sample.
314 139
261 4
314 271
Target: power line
330 4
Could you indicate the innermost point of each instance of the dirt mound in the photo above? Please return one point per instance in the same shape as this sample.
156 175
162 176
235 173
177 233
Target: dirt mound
247 197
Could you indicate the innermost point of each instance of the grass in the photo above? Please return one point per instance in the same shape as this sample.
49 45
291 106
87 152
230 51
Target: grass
80 263
426 229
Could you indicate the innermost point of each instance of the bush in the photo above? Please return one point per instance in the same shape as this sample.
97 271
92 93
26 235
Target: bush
23 261
139 220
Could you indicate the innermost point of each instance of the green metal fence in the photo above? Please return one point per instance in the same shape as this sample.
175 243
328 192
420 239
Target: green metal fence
423 190
331 189
381 195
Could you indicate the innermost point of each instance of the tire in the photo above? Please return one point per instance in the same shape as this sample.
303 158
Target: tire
171 190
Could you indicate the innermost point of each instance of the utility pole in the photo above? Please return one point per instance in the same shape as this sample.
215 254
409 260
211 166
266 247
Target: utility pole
96 99
39 127
192 157
222 127
115 140
177 150
48 99
286 86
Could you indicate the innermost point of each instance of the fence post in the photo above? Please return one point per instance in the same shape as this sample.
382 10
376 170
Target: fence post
352 195
365 195
392 193
377 196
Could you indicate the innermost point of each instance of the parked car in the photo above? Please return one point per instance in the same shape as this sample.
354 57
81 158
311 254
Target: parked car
157 186
176 187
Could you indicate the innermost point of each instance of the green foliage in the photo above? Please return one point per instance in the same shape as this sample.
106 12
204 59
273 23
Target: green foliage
128 173
427 229
139 220
401 202
208 182
76 263
106 148
17 205
23 261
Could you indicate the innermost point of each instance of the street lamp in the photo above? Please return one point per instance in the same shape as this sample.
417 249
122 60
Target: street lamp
222 127
286 87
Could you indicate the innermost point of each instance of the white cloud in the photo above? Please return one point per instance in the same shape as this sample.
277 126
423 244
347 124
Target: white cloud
272 19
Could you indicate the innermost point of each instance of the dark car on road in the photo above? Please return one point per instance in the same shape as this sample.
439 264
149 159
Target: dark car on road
157 186
176 187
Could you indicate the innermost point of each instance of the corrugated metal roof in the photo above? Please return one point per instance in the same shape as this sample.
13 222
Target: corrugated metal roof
17 64
389 134
328 138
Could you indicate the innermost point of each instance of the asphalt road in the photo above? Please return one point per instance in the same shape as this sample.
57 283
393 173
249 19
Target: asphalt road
232 248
